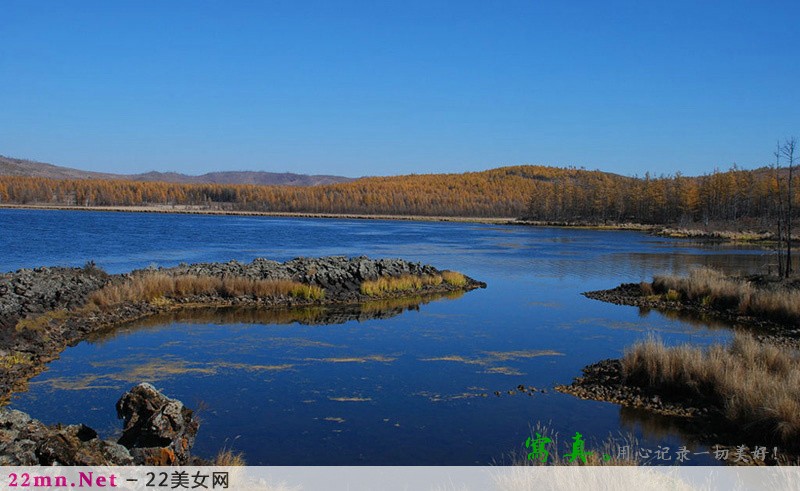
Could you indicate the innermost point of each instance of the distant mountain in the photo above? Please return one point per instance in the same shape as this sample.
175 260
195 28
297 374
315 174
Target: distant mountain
19 167
241 177
28 168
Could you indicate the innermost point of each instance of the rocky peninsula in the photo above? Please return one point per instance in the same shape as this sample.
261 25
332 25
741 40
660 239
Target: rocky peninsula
45 310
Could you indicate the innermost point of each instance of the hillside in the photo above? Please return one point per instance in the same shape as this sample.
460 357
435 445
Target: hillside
735 198
503 192
27 168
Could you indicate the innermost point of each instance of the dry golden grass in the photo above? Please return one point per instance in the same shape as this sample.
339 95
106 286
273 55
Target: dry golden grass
158 287
756 386
454 278
226 458
15 359
713 288
40 323
392 284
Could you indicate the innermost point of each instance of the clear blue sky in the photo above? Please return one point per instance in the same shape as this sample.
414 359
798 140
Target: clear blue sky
381 88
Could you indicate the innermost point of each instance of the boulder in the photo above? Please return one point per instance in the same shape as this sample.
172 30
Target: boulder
157 430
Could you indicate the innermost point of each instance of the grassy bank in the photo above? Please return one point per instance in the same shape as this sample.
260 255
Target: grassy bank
754 386
778 302
407 283
159 286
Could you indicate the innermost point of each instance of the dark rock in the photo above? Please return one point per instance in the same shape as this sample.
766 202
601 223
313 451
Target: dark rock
26 441
79 445
32 291
158 430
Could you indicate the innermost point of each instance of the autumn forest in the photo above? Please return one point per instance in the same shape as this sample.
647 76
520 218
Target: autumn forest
738 196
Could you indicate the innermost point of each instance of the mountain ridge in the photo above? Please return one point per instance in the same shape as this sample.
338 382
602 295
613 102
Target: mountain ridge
28 168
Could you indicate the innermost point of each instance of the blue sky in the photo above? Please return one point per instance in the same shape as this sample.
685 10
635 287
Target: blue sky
382 88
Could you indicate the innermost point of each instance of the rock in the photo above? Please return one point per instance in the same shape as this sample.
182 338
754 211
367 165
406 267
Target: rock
338 275
32 291
79 445
26 441
158 430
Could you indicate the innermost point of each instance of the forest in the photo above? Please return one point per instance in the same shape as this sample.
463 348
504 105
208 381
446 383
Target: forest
736 197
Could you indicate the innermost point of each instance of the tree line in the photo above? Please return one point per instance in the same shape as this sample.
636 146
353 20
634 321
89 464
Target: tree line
736 198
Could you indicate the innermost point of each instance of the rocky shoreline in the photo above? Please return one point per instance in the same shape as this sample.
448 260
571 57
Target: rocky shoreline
632 294
699 414
45 310
604 381
157 431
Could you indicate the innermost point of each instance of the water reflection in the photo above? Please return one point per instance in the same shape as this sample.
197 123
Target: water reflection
310 316
287 389
697 320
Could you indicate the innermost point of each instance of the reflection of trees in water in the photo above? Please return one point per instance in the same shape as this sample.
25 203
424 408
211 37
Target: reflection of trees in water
659 427
317 315
645 264
693 319
708 321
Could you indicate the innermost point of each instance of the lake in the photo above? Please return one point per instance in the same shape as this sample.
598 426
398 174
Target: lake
395 384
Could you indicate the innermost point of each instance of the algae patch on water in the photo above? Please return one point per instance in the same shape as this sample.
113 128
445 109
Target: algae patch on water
488 359
355 359
515 355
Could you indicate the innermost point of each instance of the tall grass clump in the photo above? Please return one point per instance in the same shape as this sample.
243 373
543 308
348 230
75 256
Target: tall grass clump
712 288
454 278
227 458
755 386
393 284
157 287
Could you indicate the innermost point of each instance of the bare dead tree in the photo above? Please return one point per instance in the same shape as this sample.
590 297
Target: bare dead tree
788 154
779 195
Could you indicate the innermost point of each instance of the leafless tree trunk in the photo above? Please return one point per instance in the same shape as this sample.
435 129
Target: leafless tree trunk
788 154
779 194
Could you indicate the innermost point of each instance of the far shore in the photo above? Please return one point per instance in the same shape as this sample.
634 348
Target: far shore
740 236
199 210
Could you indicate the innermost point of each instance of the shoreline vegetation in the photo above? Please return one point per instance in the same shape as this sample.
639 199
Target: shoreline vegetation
45 310
732 205
748 389
768 305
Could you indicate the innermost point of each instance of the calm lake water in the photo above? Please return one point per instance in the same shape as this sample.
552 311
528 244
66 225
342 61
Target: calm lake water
389 384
